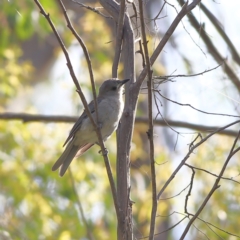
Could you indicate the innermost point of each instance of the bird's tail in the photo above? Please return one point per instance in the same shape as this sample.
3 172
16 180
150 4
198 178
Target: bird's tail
66 158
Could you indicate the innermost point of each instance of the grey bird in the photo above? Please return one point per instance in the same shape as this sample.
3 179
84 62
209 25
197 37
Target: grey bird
83 136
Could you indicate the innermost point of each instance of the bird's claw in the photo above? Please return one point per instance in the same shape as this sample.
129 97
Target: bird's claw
104 153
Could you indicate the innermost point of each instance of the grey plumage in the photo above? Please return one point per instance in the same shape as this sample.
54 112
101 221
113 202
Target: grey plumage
83 136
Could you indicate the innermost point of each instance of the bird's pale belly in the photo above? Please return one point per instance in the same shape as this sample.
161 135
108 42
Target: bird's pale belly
108 121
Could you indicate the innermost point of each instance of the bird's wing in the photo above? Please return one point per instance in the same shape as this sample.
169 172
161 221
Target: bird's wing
78 123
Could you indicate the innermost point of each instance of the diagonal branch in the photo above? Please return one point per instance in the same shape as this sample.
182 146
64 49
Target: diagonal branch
214 188
79 90
191 150
225 37
184 11
212 49
85 51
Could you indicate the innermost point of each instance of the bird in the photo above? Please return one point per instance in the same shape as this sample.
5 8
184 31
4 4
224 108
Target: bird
83 135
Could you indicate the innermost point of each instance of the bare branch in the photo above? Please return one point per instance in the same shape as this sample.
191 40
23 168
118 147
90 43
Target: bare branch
201 232
84 48
150 124
189 191
25 118
79 90
214 188
184 11
219 28
212 49
159 113
163 199
170 228
215 175
189 105
94 9
88 229
220 229
188 155
119 38
171 77
125 129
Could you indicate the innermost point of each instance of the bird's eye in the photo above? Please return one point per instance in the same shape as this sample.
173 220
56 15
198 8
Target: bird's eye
114 88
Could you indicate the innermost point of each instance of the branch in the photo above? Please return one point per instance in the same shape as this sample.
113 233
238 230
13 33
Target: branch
26 118
215 175
69 64
88 229
225 37
178 194
85 51
212 49
210 224
191 150
189 105
170 77
93 9
150 123
119 38
98 131
214 188
125 129
184 11
189 191
79 90
170 228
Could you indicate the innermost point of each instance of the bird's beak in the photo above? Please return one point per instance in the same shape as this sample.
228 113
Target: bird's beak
122 82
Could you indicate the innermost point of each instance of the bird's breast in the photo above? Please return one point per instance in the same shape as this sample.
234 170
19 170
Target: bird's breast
110 111
109 114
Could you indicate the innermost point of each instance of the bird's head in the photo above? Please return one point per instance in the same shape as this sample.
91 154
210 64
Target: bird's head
112 87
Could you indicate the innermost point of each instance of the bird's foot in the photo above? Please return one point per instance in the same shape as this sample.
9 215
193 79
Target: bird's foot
99 125
104 153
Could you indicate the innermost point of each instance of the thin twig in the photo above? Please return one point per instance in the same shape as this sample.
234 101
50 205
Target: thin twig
205 235
214 187
186 8
119 38
189 191
213 231
94 9
219 28
220 229
88 229
170 228
162 199
215 175
150 124
168 77
213 49
188 155
189 105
